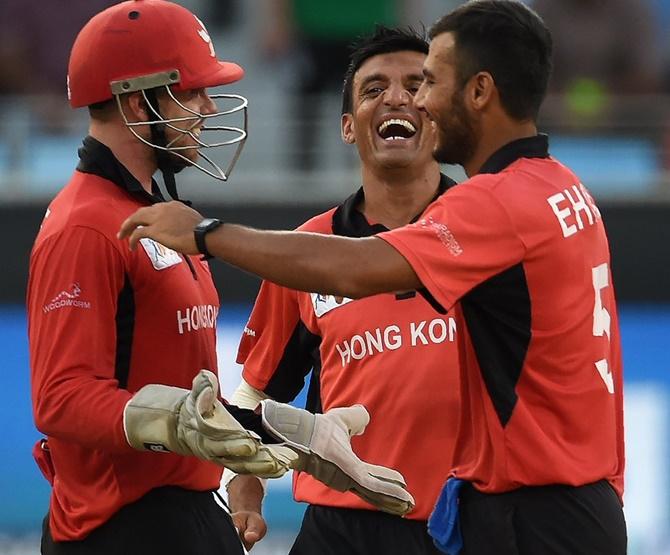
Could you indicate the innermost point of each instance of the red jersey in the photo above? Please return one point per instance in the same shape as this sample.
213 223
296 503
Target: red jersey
522 248
392 353
103 322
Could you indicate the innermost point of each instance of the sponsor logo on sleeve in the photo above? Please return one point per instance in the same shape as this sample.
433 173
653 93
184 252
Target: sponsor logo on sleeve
67 298
161 257
325 303
444 234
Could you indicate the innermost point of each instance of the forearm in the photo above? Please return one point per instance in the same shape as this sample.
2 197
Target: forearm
327 264
311 262
82 410
245 493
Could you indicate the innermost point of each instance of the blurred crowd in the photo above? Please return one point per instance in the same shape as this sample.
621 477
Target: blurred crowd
611 75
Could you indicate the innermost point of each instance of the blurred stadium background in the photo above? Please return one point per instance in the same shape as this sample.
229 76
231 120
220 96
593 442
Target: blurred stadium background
609 121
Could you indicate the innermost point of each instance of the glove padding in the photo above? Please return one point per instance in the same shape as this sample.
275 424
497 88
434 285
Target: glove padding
194 422
323 442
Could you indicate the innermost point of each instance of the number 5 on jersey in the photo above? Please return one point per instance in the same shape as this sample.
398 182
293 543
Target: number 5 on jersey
601 320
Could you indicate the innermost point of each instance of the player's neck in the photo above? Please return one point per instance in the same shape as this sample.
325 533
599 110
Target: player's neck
502 132
394 198
136 157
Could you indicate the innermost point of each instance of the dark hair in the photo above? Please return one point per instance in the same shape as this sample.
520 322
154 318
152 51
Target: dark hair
508 40
101 110
383 40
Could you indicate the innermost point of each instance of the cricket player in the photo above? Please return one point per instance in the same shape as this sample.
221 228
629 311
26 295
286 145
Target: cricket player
394 353
122 344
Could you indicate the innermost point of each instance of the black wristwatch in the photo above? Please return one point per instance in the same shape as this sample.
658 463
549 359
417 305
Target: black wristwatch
202 229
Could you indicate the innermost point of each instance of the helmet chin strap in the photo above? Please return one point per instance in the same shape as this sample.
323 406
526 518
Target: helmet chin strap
168 165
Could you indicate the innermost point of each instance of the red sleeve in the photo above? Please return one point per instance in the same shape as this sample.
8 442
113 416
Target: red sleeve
463 238
271 342
75 279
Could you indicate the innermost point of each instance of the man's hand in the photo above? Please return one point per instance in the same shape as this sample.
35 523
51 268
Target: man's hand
323 442
194 422
251 527
245 495
169 223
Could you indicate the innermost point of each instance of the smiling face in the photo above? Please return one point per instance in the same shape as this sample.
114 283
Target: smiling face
387 128
185 133
443 99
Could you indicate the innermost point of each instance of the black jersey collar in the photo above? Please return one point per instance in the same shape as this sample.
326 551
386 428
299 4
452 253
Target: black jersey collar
528 147
350 222
97 159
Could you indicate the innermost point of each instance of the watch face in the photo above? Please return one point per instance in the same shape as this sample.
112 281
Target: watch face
208 223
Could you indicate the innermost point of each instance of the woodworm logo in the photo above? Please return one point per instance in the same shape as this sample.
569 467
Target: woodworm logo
67 298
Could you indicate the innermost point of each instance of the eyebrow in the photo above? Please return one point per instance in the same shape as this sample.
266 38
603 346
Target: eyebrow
381 77
428 73
371 78
415 77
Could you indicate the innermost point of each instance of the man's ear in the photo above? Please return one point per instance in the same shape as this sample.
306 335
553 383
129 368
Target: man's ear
347 129
481 90
137 108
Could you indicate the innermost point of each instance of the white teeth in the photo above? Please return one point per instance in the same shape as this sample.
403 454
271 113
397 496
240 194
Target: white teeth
406 124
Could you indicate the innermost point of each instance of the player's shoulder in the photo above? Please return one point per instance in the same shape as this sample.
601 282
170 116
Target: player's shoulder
94 200
477 186
321 223
88 202
518 179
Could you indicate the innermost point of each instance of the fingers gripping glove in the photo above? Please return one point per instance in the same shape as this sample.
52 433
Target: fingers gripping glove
323 442
194 422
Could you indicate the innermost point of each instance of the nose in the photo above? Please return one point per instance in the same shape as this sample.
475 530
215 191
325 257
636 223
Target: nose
209 106
397 95
420 98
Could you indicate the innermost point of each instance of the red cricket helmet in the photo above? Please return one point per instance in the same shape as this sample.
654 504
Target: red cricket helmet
141 38
144 45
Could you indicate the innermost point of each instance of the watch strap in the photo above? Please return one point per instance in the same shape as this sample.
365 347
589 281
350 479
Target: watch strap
201 230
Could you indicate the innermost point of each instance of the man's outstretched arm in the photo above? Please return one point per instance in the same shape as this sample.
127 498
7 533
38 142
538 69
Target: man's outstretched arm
306 261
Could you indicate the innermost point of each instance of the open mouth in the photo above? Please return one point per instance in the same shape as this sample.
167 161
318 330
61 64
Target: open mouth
396 129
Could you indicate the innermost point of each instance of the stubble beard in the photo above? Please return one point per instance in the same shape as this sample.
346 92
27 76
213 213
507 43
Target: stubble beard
456 137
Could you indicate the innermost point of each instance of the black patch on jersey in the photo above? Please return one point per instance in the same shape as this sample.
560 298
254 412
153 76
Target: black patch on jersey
125 327
432 301
313 403
497 315
300 355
